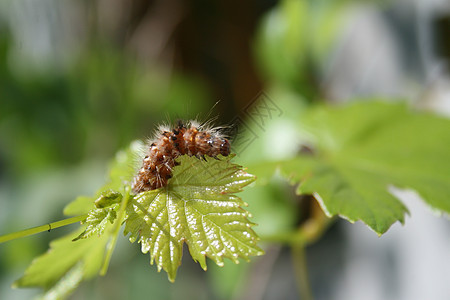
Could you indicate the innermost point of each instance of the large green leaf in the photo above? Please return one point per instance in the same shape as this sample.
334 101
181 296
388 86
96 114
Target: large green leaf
68 262
197 207
84 257
359 150
79 255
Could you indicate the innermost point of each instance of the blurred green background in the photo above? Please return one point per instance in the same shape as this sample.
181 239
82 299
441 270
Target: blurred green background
80 80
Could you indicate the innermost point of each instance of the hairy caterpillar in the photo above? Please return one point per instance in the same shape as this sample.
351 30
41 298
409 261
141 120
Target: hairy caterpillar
189 138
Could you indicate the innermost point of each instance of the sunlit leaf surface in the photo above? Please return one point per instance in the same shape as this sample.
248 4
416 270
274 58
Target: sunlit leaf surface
198 208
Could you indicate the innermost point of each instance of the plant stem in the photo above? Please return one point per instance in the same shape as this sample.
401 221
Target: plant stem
305 235
115 232
38 229
301 270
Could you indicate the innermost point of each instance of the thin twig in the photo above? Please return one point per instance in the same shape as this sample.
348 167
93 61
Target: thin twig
38 229
301 270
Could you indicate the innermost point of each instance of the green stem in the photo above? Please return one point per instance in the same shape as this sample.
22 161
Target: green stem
302 236
115 232
309 232
301 270
38 229
285 238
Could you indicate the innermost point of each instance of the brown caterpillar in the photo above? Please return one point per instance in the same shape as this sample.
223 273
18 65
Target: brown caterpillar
191 139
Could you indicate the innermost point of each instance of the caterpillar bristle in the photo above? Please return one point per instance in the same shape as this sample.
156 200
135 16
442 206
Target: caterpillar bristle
186 138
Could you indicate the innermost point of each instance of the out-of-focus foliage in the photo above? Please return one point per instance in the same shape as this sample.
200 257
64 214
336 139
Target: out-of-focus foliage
295 40
93 110
348 157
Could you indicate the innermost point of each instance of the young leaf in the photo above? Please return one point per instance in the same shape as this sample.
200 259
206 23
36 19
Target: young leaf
106 212
197 207
97 220
108 198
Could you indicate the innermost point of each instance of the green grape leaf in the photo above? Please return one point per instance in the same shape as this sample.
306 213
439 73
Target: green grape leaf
97 220
359 150
198 206
82 254
106 211
66 285
51 269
